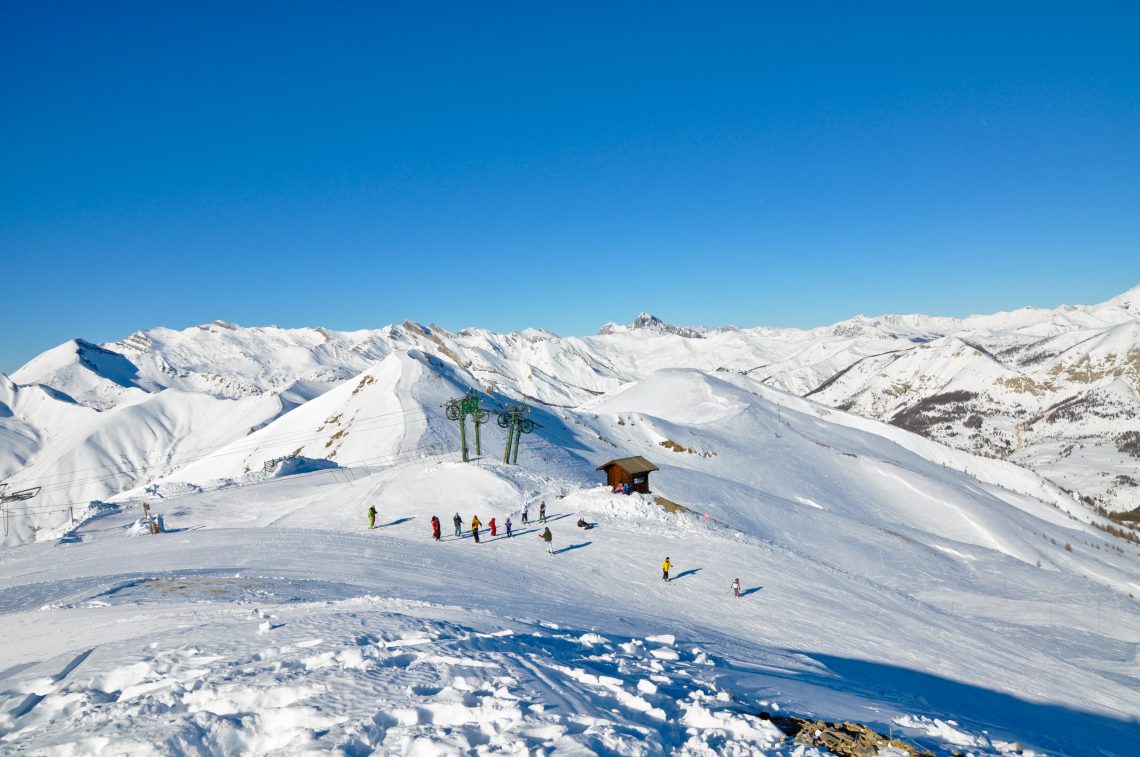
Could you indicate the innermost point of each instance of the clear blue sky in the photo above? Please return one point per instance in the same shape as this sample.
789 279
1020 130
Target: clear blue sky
559 164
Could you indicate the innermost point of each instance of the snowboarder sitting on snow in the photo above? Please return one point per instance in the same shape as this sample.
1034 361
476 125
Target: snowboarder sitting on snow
475 523
583 524
665 566
626 489
372 516
548 537
435 528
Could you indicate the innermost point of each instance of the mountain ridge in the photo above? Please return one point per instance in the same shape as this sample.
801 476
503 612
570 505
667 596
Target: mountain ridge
1034 391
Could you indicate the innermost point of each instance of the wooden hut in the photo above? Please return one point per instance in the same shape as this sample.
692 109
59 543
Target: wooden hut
629 470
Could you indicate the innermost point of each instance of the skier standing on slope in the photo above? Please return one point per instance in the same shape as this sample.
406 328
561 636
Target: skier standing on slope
542 511
372 516
475 523
508 526
435 528
665 566
736 588
493 527
526 513
548 537
458 525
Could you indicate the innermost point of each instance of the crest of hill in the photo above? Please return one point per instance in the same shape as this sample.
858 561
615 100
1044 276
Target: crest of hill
90 374
390 413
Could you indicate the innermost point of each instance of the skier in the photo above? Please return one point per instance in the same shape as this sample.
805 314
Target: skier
509 526
475 523
526 513
458 524
665 566
736 588
542 511
548 537
372 516
493 527
435 528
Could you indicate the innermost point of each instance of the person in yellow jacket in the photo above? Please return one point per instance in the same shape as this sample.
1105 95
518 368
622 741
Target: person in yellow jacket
665 566
475 523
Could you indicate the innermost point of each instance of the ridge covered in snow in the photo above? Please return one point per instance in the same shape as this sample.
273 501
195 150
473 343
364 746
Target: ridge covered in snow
1053 390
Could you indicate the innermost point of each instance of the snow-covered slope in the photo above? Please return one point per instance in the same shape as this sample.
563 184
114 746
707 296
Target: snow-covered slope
982 384
888 580
1056 391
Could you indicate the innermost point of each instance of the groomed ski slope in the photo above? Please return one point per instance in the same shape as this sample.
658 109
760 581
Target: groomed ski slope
881 586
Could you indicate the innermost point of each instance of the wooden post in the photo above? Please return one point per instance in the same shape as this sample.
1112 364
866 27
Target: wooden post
149 520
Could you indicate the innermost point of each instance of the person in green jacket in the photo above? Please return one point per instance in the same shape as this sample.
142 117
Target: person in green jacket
372 516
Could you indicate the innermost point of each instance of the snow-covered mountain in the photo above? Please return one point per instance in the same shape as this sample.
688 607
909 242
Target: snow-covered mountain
960 601
1055 391
953 601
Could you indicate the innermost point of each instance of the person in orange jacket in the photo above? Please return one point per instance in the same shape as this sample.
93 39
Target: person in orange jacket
475 523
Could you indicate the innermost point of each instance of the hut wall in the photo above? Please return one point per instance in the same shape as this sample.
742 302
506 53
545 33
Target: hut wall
617 475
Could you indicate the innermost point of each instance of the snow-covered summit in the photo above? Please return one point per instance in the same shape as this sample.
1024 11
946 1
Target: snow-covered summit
649 322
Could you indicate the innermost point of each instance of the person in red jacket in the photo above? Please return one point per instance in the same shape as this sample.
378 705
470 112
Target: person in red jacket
493 526
435 528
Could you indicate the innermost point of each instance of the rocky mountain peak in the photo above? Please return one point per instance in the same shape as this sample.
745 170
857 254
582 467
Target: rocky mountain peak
650 322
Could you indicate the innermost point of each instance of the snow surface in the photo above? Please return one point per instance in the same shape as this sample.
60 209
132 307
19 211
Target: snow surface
883 582
959 601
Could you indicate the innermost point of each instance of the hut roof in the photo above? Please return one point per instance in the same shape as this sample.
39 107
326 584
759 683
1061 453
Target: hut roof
631 465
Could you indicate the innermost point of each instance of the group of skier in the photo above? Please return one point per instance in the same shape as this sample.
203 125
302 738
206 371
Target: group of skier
476 524
492 525
546 536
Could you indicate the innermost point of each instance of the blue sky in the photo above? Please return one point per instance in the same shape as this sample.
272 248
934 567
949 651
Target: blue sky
559 164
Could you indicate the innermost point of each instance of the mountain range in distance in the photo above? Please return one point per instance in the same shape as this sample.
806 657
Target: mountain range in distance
1056 392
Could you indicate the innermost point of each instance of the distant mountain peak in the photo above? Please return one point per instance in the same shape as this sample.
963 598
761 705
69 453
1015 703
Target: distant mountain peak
650 322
